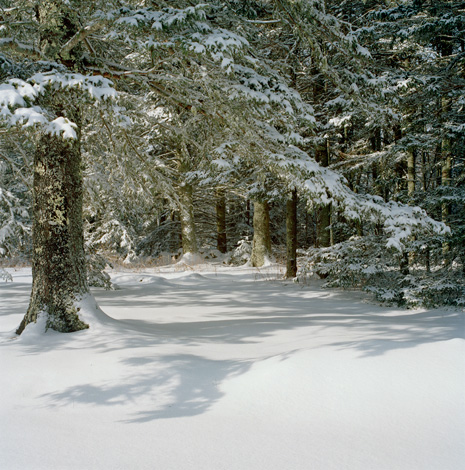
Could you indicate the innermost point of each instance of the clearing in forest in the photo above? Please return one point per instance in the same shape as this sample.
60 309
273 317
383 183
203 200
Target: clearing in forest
232 368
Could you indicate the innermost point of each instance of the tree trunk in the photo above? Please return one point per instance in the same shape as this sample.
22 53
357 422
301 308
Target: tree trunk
189 238
261 248
408 259
446 176
324 214
58 263
247 212
446 181
424 182
291 235
411 169
221 241
324 226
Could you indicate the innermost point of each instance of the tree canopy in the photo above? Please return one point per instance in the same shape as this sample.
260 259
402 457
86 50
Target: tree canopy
357 107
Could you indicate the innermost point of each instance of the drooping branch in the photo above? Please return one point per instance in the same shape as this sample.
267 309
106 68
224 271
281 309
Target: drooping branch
117 72
17 46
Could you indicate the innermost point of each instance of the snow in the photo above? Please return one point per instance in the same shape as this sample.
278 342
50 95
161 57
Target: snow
29 116
231 368
62 126
12 95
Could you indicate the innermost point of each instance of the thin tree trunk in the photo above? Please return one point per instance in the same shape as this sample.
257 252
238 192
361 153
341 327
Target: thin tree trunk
399 166
58 262
445 181
446 176
411 170
261 248
324 226
408 258
221 240
188 232
424 182
291 235
324 214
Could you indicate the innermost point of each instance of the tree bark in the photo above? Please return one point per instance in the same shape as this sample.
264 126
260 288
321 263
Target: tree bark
247 212
58 263
261 248
221 241
189 238
324 214
291 235
446 181
408 258
411 170
446 176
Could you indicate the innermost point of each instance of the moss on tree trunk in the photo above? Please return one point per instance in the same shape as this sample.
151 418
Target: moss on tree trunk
58 264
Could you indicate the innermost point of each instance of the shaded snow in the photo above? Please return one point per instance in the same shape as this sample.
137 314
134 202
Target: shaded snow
232 368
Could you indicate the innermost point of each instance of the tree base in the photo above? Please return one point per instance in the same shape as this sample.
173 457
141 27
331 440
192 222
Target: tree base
59 318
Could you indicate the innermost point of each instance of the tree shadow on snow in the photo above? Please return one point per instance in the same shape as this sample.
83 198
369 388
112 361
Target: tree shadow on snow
166 387
234 311
245 312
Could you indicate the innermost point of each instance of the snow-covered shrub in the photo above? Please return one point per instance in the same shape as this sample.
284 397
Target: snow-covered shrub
96 275
5 275
242 252
443 287
112 236
366 263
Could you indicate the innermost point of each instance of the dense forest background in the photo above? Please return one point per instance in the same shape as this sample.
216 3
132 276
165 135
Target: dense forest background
329 135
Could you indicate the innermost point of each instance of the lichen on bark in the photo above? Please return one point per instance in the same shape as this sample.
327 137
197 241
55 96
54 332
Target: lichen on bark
58 264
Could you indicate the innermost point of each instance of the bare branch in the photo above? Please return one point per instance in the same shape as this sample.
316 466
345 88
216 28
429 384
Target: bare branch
81 35
263 21
16 170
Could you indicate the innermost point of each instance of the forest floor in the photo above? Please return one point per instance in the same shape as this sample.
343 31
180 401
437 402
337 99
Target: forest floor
231 368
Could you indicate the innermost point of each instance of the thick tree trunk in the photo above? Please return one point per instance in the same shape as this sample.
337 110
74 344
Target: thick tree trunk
221 241
189 238
58 264
261 248
291 235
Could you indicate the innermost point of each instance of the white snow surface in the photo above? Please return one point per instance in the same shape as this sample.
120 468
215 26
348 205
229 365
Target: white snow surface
231 368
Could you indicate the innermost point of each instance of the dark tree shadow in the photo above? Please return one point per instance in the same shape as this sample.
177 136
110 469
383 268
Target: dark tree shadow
242 313
169 386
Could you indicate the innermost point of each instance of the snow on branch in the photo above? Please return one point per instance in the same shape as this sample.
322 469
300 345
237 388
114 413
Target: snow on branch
97 87
217 42
324 186
168 17
270 91
17 99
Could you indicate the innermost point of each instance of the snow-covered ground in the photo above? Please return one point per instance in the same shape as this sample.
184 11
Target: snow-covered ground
231 368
